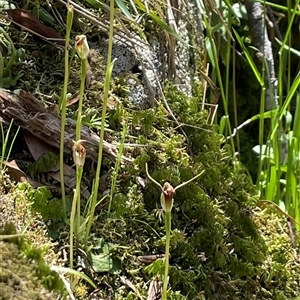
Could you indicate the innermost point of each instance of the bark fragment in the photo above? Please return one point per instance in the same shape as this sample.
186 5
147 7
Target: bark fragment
30 114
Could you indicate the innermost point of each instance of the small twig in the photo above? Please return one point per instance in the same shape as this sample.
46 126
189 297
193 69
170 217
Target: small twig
148 259
152 96
291 232
105 26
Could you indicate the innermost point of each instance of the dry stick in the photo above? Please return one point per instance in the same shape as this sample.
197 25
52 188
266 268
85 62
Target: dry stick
234 98
154 289
274 23
171 39
12 236
289 219
165 101
280 210
213 7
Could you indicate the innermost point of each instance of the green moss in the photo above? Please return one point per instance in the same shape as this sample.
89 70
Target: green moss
19 252
24 269
222 245
218 247
18 278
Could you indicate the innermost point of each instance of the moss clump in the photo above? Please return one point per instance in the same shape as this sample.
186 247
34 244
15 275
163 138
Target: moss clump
24 269
280 271
18 279
220 241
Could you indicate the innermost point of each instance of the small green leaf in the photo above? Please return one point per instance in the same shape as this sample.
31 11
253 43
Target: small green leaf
60 269
106 263
211 49
222 126
124 9
239 10
44 16
250 60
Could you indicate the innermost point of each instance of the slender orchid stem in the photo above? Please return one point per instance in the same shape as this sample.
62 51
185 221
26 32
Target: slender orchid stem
63 107
82 84
167 253
108 73
78 183
72 217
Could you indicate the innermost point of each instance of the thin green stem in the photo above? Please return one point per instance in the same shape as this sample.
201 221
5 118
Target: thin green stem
167 253
109 68
12 59
82 86
1 70
5 142
228 53
261 141
72 217
63 107
216 68
78 135
78 183
117 167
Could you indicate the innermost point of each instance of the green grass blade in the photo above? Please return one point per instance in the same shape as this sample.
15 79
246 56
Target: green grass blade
160 22
124 9
211 49
288 48
286 104
250 60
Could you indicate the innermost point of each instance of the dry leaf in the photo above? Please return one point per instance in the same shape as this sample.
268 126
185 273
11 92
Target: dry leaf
73 99
30 23
18 175
70 179
36 146
154 291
